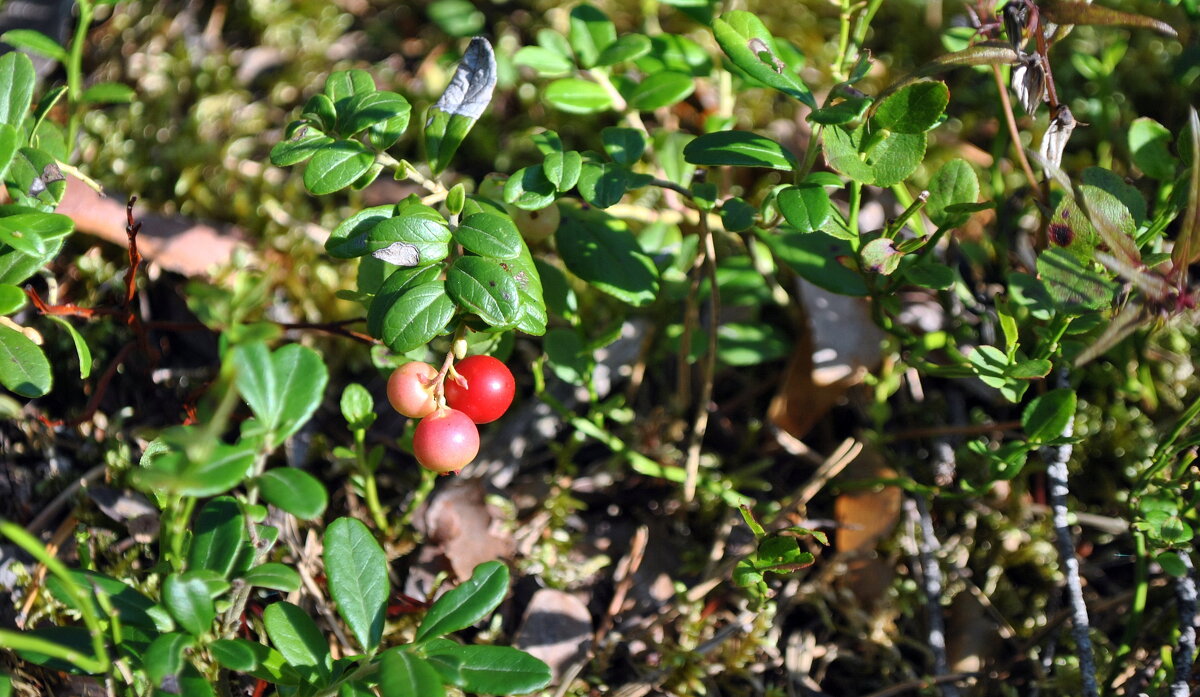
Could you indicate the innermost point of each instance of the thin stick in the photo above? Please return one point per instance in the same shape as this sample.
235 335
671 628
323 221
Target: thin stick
1013 133
1056 473
700 424
931 579
1185 650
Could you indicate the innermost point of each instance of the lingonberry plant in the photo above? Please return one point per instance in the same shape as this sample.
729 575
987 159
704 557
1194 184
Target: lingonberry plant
683 198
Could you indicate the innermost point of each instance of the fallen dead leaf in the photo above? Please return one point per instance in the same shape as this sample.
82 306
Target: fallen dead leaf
557 629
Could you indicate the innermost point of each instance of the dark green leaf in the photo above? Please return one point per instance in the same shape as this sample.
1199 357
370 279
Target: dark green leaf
1073 287
739 148
576 96
350 238
661 90
465 605
357 571
601 250
396 285
23 366
337 165
624 145
82 351
465 99
254 659
319 110
745 39
814 256
529 189
414 318
217 536
929 275
737 215
282 388
489 235
806 207
498 670
164 660
913 109
602 184
569 358
1149 141
882 159
12 298
9 142
132 607
189 600
294 491
402 674
425 239
845 111
297 637
1047 416
358 408
482 286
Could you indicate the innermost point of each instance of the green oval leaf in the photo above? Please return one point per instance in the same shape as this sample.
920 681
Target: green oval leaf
881 160
1048 415
254 659
217 536
23 367
282 388
16 87
590 33
602 184
402 674
601 250
484 287
12 298
576 96
299 640
661 90
273 575
955 183
529 189
373 108
465 605
294 491
426 239
562 169
349 239
188 599
357 571
913 109
738 148
814 256
497 670
415 317
35 41
337 165
489 235
545 62
109 93
626 48
745 39
806 207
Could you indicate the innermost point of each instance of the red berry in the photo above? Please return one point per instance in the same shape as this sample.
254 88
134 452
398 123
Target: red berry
445 441
410 389
488 392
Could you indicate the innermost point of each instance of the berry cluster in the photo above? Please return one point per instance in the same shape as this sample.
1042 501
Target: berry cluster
476 390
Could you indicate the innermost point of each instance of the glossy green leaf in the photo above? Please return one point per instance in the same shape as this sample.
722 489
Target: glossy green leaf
953 184
82 351
371 108
299 147
590 32
402 674
36 42
806 207
189 600
133 607
336 165
482 286
677 53
745 39
350 238
320 111
603 184
814 256
32 233
109 93
414 318
12 298
532 318
489 235
497 670
529 189
577 96
545 62
343 85
23 366
16 87
600 250
1047 416
913 109
283 387
299 640
737 215
562 169
218 533
254 659
425 238
627 47
294 491
164 660
624 145
569 358
172 471
357 571
9 142
844 111
738 148
394 286
468 603
661 90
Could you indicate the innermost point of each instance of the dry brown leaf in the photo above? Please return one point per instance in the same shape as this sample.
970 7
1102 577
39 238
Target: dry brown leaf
864 518
557 629
463 529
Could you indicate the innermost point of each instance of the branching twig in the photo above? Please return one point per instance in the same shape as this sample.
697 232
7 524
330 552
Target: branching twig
1056 474
1185 650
